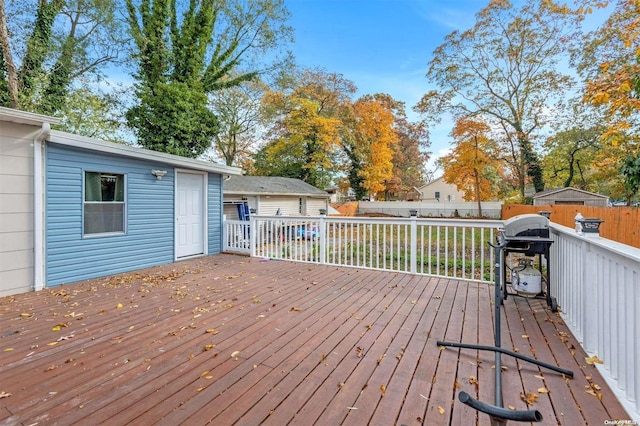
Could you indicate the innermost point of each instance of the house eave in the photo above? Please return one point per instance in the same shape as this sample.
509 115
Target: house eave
98 145
276 194
25 117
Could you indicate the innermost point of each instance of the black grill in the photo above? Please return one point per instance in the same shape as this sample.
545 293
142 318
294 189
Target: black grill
528 234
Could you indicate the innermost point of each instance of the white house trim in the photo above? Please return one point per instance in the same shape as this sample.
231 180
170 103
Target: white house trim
204 213
145 154
39 251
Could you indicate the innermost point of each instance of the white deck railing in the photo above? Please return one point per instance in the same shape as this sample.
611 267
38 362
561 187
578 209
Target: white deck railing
596 281
597 285
453 248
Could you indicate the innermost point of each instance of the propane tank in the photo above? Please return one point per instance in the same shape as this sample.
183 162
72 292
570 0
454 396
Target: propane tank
529 279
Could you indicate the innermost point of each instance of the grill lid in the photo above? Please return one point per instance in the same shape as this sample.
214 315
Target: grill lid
526 225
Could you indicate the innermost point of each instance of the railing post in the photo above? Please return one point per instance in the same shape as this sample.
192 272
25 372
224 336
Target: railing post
253 237
225 234
413 249
322 228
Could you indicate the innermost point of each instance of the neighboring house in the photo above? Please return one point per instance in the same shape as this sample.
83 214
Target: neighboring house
413 194
404 194
74 208
438 191
570 196
270 195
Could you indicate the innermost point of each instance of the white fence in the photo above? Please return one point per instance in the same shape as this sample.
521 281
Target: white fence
595 281
431 209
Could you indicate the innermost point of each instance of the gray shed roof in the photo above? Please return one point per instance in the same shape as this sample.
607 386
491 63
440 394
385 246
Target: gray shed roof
270 185
557 191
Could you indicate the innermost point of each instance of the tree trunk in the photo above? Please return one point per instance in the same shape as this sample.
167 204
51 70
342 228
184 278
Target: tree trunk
478 198
12 73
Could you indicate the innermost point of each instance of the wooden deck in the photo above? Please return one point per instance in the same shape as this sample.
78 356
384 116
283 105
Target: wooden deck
235 340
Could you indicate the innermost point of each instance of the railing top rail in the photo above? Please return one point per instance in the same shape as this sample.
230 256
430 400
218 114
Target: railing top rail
481 223
627 251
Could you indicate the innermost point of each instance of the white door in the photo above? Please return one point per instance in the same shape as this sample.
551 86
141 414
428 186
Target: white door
190 214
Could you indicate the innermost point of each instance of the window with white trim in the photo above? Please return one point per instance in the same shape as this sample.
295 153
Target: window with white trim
104 203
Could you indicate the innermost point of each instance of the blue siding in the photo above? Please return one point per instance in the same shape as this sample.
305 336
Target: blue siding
214 212
149 237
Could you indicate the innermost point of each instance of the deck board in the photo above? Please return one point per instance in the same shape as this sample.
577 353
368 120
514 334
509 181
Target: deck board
310 344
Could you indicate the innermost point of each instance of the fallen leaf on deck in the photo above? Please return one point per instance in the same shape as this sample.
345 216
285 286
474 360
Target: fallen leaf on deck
529 398
119 306
593 360
543 390
383 389
26 315
204 373
52 343
60 339
473 380
537 376
525 336
511 407
352 408
4 394
235 354
440 410
294 309
207 347
8 349
212 331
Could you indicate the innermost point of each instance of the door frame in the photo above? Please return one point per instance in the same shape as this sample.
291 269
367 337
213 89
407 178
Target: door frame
205 213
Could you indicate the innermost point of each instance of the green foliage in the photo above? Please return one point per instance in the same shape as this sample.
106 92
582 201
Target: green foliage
238 110
631 171
38 46
4 86
173 118
58 45
187 57
91 114
569 158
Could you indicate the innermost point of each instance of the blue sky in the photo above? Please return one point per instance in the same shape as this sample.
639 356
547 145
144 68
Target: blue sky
383 46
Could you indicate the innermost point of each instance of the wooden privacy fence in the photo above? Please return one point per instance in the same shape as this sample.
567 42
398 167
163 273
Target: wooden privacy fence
621 224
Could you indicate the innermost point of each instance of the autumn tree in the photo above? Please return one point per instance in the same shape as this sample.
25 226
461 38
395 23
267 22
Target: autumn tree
610 64
410 153
473 165
504 70
307 117
48 46
183 57
369 144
